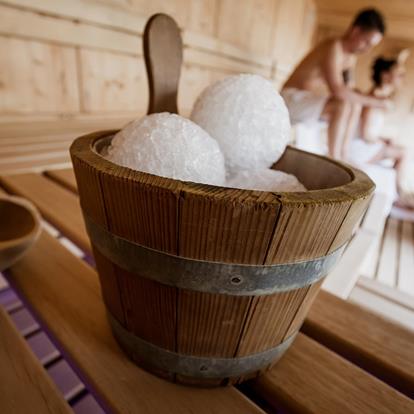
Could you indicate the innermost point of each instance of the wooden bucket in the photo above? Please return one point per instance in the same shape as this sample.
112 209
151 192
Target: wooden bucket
209 285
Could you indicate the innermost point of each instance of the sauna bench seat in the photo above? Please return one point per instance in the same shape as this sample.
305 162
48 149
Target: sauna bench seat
345 359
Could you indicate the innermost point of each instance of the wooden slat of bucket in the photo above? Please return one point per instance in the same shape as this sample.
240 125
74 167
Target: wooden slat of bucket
71 307
260 330
311 379
147 215
109 286
150 309
378 345
29 389
88 183
354 214
210 230
306 231
64 177
208 325
56 204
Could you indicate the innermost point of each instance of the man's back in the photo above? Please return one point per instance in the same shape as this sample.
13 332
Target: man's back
310 73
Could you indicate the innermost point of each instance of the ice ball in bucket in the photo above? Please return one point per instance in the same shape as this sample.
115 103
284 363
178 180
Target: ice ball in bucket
265 180
248 118
170 146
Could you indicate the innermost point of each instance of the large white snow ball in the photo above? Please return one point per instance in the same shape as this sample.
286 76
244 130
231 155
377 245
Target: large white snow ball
265 180
248 118
170 146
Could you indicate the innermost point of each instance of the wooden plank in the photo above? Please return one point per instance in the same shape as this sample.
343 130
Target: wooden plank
37 77
389 293
389 310
39 128
33 157
29 389
112 82
376 215
345 274
199 17
192 82
369 266
19 167
71 307
406 266
251 26
26 24
388 263
46 28
65 177
368 339
311 379
58 206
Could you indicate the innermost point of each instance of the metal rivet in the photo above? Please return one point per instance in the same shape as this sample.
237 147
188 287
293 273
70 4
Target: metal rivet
236 280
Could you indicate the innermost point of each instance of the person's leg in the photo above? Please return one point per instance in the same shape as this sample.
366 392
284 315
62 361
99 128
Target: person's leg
350 129
337 113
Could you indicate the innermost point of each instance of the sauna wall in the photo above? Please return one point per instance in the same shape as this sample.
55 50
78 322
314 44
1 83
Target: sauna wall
69 66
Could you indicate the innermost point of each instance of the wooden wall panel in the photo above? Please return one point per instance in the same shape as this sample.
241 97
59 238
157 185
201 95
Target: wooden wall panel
80 61
112 82
193 80
37 77
250 26
289 49
196 15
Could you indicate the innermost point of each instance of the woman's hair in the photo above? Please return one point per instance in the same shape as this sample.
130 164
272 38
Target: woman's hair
380 66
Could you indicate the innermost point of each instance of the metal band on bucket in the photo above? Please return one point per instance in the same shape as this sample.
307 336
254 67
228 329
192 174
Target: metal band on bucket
193 366
204 276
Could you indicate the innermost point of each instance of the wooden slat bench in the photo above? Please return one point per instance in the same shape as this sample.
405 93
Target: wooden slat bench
65 177
26 386
69 303
312 379
357 335
367 339
71 307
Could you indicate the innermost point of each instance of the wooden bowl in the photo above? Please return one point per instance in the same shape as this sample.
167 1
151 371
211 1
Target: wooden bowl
19 228
209 285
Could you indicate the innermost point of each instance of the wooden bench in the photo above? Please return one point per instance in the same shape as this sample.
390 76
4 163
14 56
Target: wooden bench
25 384
71 307
64 293
367 339
312 379
374 344
65 177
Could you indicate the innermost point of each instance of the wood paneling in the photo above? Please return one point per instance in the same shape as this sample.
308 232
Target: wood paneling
37 77
80 59
248 27
112 82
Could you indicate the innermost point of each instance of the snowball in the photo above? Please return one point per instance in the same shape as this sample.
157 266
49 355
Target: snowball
248 118
264 180
170 146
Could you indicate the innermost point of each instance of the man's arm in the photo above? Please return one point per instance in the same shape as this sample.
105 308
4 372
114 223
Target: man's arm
332 72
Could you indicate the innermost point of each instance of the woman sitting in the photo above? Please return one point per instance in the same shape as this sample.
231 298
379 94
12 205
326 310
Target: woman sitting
371 146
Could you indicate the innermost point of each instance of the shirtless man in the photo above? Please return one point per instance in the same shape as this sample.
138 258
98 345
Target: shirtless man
321 85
